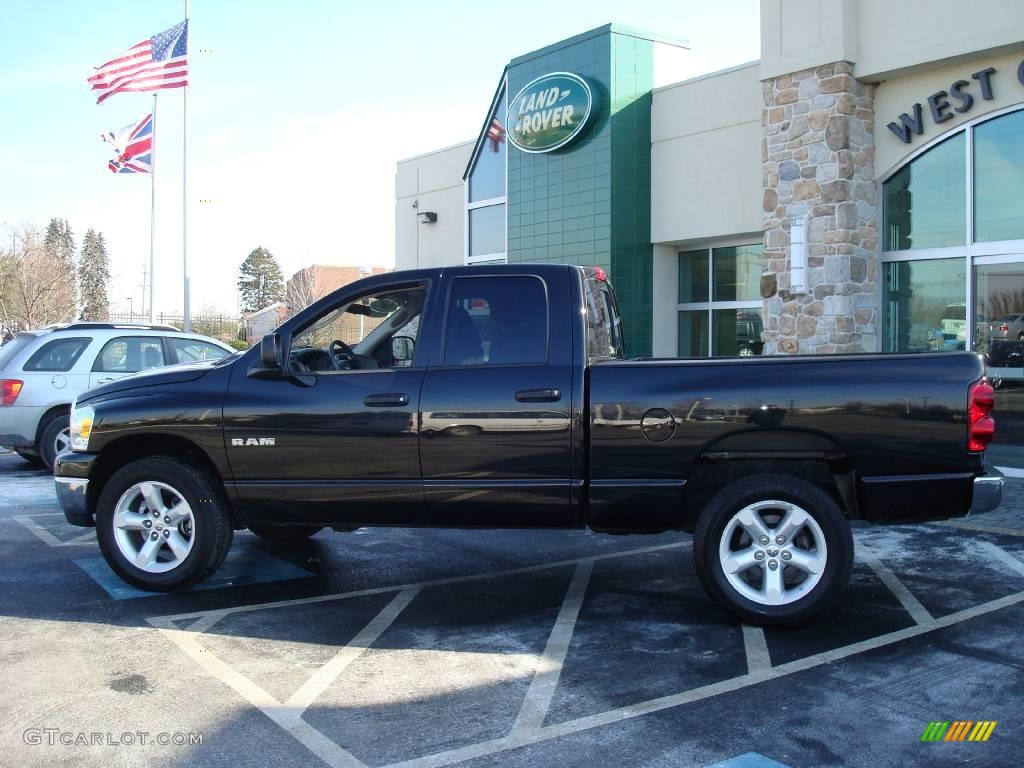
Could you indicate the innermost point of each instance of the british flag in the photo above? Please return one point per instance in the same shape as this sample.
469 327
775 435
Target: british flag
496 134
134 147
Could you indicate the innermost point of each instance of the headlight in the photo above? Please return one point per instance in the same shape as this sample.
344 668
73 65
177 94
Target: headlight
81 427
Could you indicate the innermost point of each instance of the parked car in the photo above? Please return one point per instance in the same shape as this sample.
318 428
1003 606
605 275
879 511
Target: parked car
167 465
748 334
1003 353
1009 326
42 372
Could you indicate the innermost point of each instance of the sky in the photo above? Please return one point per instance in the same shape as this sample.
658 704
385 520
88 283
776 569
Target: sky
297 113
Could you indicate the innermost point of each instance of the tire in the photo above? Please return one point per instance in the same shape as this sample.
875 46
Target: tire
31 458
202 530
822 544
54 437
285 534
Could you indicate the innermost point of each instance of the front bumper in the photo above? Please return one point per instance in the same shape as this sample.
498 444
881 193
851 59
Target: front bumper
71 472
988 491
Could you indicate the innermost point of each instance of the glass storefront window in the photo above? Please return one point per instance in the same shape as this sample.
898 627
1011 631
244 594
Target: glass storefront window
999 179
487 180
737 332
487 230
925 202
925 307
693 333
737 273
693 276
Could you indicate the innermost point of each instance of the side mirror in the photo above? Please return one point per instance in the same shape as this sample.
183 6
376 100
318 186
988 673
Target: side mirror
270 351
402 349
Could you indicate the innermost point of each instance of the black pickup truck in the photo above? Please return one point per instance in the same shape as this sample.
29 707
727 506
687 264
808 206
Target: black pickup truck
501 397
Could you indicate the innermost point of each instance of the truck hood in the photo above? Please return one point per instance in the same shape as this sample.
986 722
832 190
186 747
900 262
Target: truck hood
172 374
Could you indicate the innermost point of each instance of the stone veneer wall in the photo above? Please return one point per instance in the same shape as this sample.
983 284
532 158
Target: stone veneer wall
818 161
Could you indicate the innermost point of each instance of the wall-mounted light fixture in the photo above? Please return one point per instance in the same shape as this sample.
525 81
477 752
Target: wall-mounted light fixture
426 217
797 254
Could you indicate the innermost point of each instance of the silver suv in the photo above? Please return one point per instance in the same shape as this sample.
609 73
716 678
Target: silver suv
42 372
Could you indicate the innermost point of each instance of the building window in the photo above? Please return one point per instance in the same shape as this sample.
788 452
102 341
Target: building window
486 189
954 239
719 304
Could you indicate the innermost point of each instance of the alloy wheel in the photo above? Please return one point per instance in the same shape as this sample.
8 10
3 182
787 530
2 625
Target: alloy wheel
154 527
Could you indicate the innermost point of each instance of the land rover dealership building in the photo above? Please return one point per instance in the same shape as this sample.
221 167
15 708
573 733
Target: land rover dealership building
858 189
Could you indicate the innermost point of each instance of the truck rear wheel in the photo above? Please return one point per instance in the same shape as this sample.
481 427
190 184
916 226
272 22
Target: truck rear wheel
163 524
773 549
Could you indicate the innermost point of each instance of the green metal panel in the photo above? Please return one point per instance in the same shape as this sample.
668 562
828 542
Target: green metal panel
589 202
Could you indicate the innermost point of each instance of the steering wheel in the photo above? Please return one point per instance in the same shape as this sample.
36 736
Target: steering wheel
341 355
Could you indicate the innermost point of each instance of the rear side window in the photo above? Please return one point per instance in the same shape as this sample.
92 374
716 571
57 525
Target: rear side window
130 354
604 326
496 321
12 346
187 350
59 355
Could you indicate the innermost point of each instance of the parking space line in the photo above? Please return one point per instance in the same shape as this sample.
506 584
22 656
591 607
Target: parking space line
48 538
1014 472
285 716
756 647
910 604
969 526
328 673
534 736
1002 556
542 688
422 584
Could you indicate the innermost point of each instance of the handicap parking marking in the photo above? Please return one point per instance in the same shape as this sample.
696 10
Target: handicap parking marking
185 631
46 535
748 760
243 566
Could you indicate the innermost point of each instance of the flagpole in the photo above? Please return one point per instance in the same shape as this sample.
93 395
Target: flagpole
152 213
184 186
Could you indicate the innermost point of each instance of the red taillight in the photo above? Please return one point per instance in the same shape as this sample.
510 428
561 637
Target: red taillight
9 390
1004 328
600 275
981 427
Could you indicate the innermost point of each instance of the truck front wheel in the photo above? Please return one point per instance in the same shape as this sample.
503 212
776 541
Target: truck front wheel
773 549
162 524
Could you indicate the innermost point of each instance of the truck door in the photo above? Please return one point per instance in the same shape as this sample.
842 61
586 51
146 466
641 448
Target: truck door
335 441
495 439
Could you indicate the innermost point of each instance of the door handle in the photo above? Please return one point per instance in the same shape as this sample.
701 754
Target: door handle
104 381
390 399
548 395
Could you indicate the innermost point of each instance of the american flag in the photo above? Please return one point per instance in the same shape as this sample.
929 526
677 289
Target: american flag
160 62
496 134
134 147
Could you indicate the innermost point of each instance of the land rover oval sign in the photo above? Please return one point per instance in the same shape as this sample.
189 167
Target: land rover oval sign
550 112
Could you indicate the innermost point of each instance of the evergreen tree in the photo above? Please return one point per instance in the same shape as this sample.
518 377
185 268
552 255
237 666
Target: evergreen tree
260 281
93 277
59 243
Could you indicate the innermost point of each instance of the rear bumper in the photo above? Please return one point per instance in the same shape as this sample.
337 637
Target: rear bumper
988 491
71 473
18 426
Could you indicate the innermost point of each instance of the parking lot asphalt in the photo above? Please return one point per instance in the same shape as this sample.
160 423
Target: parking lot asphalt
420 648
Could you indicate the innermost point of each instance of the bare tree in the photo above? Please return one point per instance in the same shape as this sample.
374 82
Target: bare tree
36 288
302 289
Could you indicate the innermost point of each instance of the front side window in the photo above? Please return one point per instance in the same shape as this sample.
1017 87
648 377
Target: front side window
496 321
59 355
130 354
374 330
194 350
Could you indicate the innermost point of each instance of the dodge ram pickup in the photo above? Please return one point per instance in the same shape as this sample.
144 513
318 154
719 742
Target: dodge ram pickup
502 397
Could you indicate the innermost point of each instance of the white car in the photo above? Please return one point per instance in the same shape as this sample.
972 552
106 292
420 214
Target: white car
42 372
